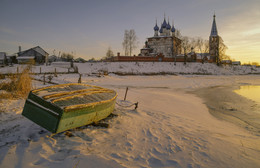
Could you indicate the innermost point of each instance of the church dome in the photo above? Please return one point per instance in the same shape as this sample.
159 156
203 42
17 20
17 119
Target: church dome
161 31
173 29
164 25
156 28
168 27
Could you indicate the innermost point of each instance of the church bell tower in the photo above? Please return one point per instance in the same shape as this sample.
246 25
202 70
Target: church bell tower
214 41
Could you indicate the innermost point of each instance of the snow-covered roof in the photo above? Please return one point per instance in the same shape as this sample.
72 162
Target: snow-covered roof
37 49
12 55
40 50
226 61
80 59
161 36
25 57
236 63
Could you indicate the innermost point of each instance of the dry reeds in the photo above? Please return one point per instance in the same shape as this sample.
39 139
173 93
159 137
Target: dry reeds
18 86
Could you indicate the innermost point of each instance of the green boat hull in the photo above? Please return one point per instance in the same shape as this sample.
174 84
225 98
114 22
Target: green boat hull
57 119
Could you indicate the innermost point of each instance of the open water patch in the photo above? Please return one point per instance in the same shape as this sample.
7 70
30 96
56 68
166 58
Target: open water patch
251 92
224 103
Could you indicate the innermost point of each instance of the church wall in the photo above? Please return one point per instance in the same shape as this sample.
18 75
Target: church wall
161 45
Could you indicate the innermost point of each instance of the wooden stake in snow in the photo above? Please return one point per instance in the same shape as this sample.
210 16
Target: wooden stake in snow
79 81
126 93
44 79
136 105
55 73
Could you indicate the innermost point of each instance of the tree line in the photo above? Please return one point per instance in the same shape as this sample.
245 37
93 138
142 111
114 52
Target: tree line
200 45
188 44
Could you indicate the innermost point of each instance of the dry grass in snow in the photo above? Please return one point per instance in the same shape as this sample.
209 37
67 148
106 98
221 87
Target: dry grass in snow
18 85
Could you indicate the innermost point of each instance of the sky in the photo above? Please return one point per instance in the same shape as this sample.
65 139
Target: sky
87 28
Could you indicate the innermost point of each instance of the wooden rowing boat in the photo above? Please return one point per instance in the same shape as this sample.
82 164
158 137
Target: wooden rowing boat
62 107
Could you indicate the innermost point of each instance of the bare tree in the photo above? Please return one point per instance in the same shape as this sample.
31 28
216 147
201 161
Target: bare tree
179 36
202 46
199 44
186 46
205 48
126 42
109 53
130 41
178 33
222 50
67 56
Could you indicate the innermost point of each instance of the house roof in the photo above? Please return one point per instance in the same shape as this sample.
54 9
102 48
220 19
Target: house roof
80 59
37 49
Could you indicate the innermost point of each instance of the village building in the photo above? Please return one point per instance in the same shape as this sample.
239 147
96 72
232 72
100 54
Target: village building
52 58
3 59
80 60
33 55
164 46
11 59
164 42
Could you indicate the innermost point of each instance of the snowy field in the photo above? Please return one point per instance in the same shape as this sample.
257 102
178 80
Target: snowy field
172 126
138 68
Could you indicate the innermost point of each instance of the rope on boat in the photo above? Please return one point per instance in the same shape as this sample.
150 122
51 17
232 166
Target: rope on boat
136 105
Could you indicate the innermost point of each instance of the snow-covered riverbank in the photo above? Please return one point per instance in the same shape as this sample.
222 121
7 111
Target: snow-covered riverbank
171 128
139 68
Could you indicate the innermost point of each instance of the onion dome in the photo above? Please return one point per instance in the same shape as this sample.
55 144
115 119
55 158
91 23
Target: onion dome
173 29
161 31
168 27
156 28
164 25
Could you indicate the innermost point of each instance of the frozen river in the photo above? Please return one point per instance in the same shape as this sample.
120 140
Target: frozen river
251 92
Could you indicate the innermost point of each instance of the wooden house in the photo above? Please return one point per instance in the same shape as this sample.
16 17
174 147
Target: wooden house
33 55
3 59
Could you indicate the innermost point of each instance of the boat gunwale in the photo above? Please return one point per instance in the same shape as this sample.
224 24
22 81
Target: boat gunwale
65 84
42 107
34 96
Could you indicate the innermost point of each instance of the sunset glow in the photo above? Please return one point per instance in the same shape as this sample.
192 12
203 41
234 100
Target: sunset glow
88 28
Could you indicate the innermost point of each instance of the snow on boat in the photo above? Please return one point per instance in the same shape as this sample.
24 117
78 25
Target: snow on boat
62 107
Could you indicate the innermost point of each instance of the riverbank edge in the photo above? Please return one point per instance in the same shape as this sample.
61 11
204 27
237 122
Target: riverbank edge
224 104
